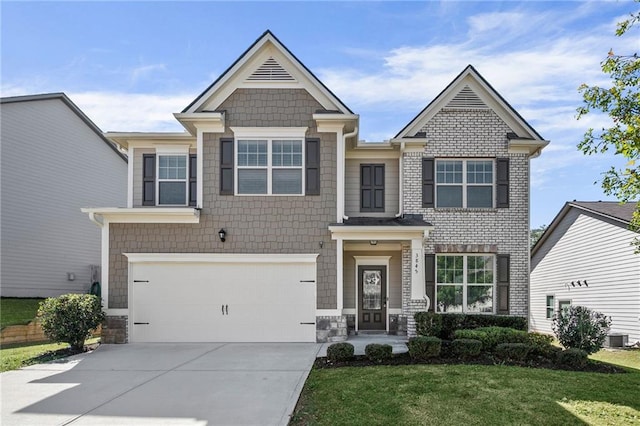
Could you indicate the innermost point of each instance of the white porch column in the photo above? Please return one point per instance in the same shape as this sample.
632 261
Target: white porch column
339 275
417 270
340 176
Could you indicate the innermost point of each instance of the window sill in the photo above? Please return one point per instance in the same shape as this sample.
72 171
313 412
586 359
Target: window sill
467 209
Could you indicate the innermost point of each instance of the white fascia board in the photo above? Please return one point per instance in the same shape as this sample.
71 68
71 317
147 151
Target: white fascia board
363 154
145 214
210 122
221 258
379 232
533 147
332 123
142 139
269 132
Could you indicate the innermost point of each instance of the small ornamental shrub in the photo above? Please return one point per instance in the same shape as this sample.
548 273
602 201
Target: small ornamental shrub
513 351
581 328
466 348
542 346
573 357
424 347
378 352
444 325
70 318
493 336
428 324
445 349
342 351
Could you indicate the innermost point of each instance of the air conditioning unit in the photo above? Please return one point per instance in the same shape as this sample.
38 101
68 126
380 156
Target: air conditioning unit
616 341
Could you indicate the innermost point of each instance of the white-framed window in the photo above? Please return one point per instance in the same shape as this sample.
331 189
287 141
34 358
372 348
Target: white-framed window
551 306
465 283
172 183
563 306
465 183
269 161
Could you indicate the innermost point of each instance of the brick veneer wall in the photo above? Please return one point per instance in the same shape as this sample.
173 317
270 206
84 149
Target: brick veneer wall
468 134
254 224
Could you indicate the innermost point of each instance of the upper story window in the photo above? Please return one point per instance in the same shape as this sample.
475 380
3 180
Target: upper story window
269 161
270 166
169 178
172 180
465 283
464 183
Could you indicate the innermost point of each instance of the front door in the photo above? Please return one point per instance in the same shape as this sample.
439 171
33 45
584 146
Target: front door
372 287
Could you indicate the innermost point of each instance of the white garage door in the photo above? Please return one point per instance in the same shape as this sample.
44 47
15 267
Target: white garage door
228 300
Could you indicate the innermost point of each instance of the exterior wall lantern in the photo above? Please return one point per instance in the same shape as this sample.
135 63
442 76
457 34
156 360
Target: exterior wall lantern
222 234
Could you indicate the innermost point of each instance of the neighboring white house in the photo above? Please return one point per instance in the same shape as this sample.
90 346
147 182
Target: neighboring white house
54 161
585 258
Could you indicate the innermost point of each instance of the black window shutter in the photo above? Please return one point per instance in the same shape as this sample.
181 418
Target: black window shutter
503 267
193 176
148 179
430 279
428 184
372 187
502 183
312 166
226 166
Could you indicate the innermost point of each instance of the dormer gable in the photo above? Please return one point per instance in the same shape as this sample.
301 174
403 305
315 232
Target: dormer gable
468 91
267 63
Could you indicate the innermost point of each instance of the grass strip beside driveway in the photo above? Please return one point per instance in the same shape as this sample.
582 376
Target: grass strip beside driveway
467 394
14 311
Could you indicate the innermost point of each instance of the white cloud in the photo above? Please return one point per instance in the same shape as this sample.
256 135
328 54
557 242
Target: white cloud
144 71
113 111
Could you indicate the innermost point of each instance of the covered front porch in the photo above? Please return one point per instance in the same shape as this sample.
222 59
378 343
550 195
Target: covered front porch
380 272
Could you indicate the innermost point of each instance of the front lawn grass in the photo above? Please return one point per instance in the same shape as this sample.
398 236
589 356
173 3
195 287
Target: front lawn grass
471 395
15 311
13 357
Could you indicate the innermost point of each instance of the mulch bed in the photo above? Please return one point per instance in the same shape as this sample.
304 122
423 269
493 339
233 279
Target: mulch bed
61 353
404 359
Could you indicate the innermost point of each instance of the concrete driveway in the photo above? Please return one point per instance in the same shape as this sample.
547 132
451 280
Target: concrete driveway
158 384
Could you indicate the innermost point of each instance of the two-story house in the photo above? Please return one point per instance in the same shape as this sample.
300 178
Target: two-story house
267 220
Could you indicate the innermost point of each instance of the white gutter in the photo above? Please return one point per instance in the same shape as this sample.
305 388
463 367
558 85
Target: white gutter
400 182
342 165
92 218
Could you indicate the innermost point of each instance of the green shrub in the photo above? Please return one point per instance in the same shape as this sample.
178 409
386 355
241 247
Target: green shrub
445 349
581 328
542 346
513 351
70 318
493 336
428 324
444 325
378 352
342 351
573 357
424 347
466 348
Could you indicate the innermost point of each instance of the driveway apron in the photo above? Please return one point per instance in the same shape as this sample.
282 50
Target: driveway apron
162 383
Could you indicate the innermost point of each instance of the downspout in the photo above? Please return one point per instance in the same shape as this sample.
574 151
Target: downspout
344 146
401 182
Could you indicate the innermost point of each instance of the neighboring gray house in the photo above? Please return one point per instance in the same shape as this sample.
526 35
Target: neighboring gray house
269 221
54 161
585 258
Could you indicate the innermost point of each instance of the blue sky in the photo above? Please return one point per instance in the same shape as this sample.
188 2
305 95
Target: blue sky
130 65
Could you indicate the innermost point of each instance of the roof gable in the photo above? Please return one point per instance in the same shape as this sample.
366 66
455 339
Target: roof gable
607 211
267 63
73 107
470 90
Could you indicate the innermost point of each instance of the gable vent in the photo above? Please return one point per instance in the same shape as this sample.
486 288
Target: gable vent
466 98
271 70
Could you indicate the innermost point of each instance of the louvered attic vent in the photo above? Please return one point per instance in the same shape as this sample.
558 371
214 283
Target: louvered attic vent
466 98
270 70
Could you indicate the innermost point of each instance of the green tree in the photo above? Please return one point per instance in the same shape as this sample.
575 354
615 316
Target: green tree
621 101
536 233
